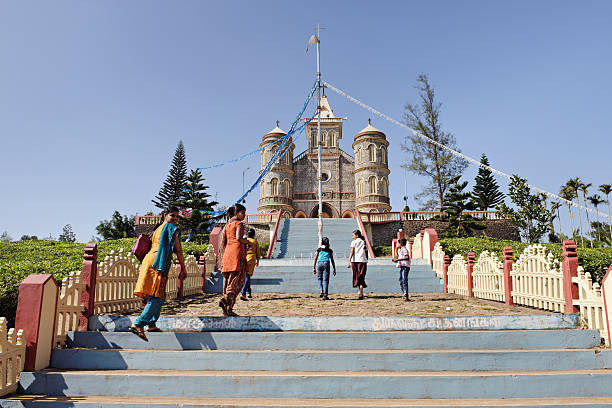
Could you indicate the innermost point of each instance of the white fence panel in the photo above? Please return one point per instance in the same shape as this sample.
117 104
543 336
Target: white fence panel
488 277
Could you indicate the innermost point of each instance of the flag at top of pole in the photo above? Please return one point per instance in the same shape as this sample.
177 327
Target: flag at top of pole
312 40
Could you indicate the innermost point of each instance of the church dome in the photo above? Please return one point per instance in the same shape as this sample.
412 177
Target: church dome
277 131
371 131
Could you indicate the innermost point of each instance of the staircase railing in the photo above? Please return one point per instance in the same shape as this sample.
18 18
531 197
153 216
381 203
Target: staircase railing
274 236
364 233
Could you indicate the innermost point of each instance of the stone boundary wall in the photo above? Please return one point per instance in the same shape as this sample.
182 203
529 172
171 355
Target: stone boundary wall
383 233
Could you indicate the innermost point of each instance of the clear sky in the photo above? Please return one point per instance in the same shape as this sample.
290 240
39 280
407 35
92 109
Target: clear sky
94 96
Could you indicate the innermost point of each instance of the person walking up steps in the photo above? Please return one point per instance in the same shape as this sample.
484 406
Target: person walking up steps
234 261
322 259
402 257
252 258
359 257
153 275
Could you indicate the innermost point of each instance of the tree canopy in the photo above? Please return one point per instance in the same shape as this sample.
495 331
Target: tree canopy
486 192
172 189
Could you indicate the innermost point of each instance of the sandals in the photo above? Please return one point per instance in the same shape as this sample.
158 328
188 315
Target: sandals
154 329
223 307
139 331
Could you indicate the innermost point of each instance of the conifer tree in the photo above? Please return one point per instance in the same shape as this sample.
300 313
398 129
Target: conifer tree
195 198
172 189
486 192
456 202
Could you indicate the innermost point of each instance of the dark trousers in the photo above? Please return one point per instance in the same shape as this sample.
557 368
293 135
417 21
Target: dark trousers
403 279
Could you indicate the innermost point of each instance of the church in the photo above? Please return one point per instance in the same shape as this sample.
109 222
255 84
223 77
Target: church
359 181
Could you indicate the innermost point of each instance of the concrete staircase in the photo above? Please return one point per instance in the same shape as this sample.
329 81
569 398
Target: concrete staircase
554 365
290 270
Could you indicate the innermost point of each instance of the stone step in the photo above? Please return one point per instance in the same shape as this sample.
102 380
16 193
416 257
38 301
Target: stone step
342 323
387 340
343 360
40 401
302 384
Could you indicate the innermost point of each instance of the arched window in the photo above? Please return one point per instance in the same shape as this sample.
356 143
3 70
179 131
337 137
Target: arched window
274 187
358 155
384 186
287 188
373 185
360 187
332 139
313 139
383 154
372 152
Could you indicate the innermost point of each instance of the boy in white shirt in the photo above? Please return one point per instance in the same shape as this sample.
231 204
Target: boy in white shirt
402 257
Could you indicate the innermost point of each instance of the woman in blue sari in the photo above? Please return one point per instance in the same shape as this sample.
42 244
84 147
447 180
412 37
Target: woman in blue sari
153 276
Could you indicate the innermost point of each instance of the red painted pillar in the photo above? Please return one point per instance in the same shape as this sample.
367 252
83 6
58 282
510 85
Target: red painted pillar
411 242
179 282
447 262
470 279
89 274
36 315
401 234
508 256
569 266
202 265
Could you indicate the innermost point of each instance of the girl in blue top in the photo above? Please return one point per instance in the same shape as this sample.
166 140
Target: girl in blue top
323 257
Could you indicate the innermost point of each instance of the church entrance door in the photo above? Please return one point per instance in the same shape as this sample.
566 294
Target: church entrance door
328 211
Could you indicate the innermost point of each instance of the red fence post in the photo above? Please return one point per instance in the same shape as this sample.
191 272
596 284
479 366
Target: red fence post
202 265
410 243
89 274
470 269
447 262
606 292
569 266
422 235
508 255
36 315
179 282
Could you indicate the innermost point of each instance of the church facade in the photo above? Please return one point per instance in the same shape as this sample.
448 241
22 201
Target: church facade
359 181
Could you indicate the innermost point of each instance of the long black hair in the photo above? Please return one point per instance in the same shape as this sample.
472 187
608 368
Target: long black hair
238 208
325 245
359 235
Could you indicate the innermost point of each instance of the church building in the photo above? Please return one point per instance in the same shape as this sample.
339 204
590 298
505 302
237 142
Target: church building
359 181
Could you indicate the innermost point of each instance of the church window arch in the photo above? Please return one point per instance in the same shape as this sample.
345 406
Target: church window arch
372 152
274 186
333 139
360 187
287 187
313 138
373 185
384 186
383 154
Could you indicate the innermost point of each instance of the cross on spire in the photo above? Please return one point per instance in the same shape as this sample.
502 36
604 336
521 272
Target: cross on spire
369 121
277 123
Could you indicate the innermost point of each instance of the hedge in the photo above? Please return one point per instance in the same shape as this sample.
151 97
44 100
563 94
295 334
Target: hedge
596 261
22 258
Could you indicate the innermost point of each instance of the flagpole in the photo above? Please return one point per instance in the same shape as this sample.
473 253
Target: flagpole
319 172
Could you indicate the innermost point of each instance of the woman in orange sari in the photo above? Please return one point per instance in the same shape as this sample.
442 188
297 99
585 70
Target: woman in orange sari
153 276
234 261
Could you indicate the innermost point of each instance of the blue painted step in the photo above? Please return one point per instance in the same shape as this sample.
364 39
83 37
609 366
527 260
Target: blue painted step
271 384
301 340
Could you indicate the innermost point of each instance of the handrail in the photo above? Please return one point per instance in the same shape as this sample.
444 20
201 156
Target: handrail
365 234
274 235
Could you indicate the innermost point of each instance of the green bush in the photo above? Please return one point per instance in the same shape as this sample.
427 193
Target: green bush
263 248
383 250
22 258
595 261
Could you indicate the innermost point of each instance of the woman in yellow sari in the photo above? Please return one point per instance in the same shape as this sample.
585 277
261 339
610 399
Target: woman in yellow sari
153 276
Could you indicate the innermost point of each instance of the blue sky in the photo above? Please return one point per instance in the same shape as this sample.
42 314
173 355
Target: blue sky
96 95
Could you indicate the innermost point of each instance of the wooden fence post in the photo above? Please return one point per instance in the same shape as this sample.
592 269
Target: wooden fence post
470 269
570 270
202 265
89 274
36 316
508 256
447 262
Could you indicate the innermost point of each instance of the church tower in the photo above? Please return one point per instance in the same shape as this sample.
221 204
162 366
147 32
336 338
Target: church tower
371 170
276 188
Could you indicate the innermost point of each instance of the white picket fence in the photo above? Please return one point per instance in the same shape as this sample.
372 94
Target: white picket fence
68 307
537 281
12 358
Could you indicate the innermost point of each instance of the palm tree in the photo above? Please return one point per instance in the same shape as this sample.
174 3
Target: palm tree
567 193
554 208
596 199
584 188
574 184
607 189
